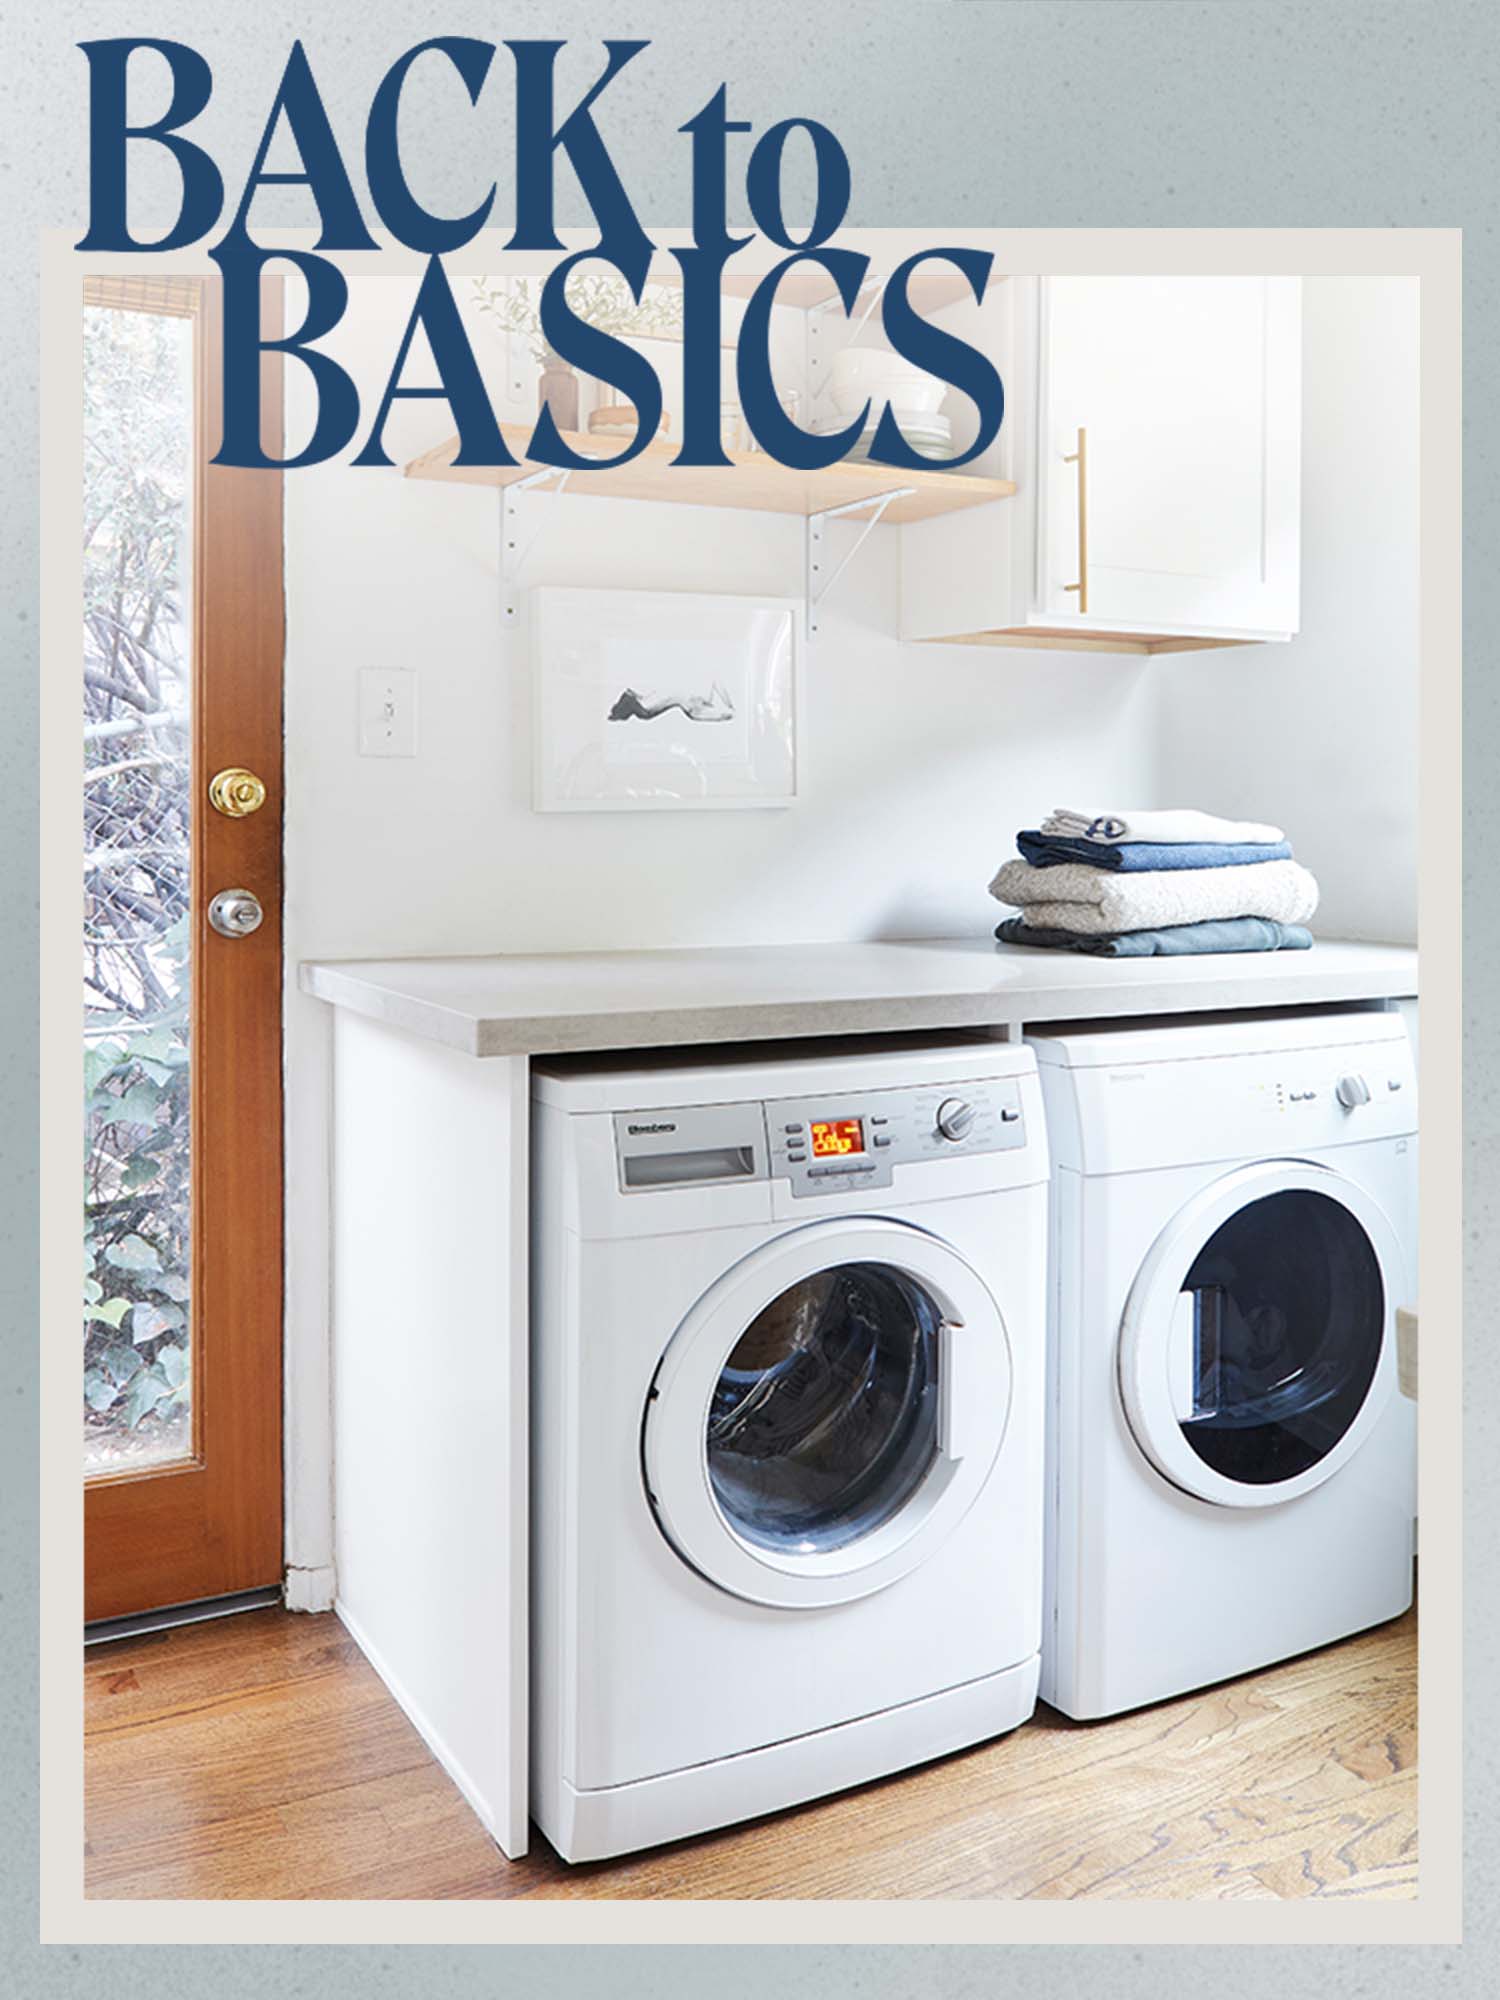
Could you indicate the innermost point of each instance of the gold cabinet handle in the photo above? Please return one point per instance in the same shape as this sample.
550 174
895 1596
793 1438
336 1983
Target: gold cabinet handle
1080 458
236 793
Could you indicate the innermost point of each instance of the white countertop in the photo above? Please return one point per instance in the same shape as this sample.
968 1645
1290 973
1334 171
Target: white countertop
547 1003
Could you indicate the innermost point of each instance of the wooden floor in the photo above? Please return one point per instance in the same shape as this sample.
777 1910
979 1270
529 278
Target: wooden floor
260 1756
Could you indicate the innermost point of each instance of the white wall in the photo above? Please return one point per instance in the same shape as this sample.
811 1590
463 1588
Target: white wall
1321 735
921 761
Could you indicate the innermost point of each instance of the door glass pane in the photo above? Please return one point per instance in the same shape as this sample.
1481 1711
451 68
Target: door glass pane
1287 1319
824 1421
137 494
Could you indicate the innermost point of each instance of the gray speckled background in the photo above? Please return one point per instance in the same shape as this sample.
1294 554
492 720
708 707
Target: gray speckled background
986 112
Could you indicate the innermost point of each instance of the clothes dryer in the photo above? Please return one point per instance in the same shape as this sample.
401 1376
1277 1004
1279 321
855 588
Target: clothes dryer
1231 1470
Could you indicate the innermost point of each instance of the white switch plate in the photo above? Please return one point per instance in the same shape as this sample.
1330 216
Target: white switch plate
387 712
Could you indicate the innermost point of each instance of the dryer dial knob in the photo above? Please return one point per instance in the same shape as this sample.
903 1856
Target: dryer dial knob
1352 1090
955 1118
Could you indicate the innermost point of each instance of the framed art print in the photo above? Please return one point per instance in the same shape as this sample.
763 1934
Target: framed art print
651 700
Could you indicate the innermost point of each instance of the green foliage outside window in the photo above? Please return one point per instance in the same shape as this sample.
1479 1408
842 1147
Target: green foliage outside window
136 805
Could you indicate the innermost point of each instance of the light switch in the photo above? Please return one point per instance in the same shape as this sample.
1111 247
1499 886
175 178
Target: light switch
387 712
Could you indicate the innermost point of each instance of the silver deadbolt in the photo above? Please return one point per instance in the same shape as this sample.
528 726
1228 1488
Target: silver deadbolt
235 913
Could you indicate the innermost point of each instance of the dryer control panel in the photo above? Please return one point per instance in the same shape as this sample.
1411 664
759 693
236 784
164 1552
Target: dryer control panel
832 1145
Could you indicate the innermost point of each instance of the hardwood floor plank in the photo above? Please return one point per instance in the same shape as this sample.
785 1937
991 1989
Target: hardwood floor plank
260 1756
162 1673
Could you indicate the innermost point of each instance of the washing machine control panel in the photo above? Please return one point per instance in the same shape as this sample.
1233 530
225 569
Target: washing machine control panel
833 1145
822 1145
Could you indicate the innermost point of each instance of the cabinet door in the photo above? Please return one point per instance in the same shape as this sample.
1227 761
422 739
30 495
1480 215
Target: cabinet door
1188 393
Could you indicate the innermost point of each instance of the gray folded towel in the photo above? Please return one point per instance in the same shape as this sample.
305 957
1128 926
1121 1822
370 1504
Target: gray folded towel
1172 941
1072 897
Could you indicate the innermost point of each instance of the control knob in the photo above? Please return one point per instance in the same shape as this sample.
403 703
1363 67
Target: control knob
955 1117
1352 1090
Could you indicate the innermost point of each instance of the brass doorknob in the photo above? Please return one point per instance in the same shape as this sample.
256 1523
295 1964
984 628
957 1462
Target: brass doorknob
236 793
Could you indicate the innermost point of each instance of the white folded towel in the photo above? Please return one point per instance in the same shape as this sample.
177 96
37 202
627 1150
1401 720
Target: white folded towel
1076 897
1168 826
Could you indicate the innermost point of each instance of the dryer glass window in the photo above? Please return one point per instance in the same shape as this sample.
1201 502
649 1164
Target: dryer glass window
824 1421
1286 1314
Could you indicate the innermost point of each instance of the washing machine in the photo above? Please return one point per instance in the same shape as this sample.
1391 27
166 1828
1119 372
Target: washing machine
1231 1475
789 1319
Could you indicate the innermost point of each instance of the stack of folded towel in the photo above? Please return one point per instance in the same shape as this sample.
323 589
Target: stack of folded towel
1144 884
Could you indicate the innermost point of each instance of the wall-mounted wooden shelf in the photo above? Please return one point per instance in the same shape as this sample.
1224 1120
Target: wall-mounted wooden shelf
752 480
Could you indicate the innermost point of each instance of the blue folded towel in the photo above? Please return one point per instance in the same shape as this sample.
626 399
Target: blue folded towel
1050 850
1176 941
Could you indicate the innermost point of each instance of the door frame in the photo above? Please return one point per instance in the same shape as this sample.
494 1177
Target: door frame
1144 1351
211 1524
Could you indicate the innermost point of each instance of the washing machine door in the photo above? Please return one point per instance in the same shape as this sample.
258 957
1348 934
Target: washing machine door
827 1413
1257 1349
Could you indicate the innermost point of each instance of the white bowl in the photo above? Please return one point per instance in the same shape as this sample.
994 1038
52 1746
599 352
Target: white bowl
849 402
918 430
859 374
921 422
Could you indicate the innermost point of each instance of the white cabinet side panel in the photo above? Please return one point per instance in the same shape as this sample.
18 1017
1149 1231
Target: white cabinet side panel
956 573
971 571
430 1393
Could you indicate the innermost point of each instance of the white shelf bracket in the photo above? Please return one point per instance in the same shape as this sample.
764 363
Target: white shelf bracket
514 551
818 578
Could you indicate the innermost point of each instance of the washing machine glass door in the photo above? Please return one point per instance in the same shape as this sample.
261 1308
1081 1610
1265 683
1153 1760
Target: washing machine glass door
827 1413
1257 1348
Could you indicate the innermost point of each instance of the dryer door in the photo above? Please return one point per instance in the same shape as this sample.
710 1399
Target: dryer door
1257 1349
827 1413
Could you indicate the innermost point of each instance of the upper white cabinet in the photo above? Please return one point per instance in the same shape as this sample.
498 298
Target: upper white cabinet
1153 428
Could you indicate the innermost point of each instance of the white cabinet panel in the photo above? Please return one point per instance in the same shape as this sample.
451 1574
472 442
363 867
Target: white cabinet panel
1187 390
430 1352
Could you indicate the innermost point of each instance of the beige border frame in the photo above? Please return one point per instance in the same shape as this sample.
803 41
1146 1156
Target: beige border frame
1432 256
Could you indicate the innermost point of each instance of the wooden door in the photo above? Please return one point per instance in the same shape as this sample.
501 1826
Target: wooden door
183 636
1187 390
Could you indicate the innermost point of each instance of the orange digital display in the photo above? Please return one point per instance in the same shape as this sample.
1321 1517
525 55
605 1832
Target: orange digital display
831 1136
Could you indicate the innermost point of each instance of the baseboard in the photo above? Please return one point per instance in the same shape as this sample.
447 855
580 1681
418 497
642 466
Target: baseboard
414 1715
309 1589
